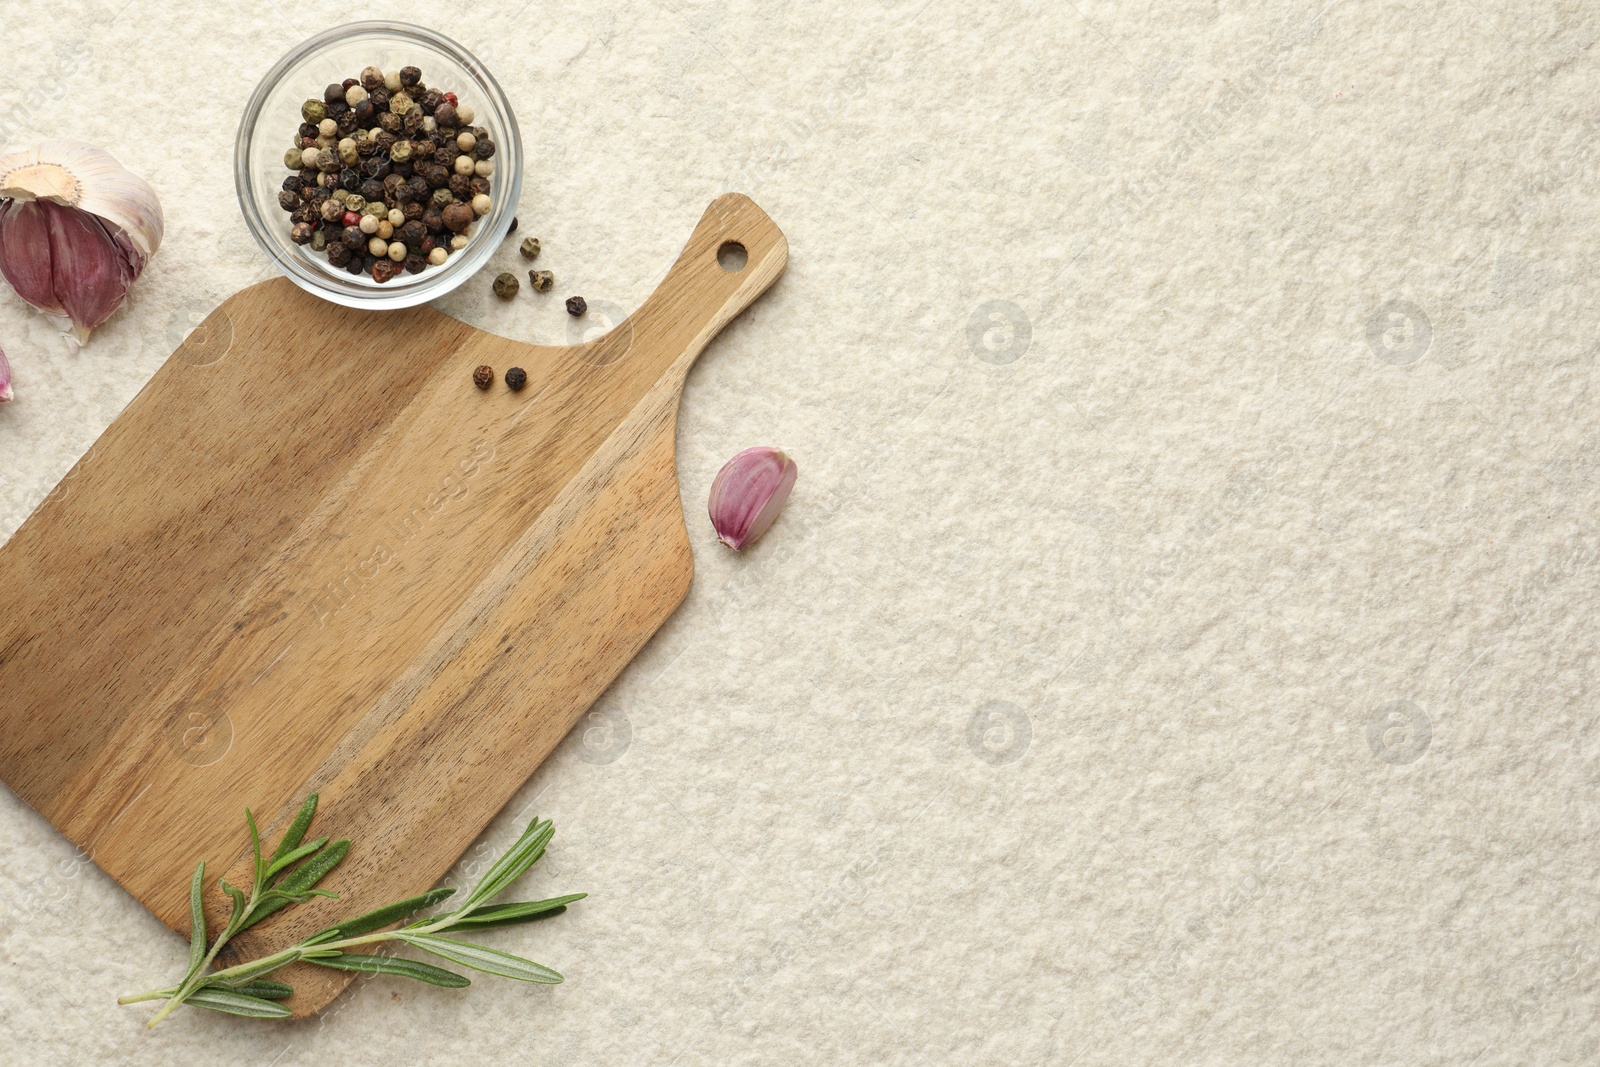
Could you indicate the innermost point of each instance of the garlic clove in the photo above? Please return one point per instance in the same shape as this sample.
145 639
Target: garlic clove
5 379
90 179
747 494
75 231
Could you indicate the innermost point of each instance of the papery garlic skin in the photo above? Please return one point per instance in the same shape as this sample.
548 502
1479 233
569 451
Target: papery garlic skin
76 229
5 379
747 494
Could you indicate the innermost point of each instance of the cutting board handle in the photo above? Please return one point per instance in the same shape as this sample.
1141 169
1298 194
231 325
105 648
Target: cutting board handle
708 285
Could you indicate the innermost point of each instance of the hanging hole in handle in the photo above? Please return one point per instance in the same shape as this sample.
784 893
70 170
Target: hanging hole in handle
732 257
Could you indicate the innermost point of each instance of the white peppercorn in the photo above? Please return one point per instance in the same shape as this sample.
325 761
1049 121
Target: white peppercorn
482 205
438 256
354 95
465 141
378 247
369 224
397 217
463 164
458 242
483 168
398 252
308 158
391 80
327 128
465 114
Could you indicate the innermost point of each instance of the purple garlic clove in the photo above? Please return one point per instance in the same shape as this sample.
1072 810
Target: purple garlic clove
748 493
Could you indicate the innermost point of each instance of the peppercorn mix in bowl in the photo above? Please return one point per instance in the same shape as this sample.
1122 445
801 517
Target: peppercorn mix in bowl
408 175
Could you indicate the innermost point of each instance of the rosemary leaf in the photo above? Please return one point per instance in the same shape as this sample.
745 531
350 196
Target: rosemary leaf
266 989
237 1004
479 958
197 922
291 858
255 849
422 972
524 911
372 920
511 866
297 829
296 885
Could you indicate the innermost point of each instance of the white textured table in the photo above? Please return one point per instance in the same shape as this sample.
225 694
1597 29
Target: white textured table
1179 646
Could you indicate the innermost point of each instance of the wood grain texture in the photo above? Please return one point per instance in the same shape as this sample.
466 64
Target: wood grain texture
326 561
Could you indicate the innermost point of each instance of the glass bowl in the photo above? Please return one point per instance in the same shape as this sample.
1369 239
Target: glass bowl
272 118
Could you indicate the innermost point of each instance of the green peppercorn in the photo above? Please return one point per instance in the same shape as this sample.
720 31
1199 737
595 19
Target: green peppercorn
516 377
442 198
483 377
400 152
313 111
541 280
506 286
530 248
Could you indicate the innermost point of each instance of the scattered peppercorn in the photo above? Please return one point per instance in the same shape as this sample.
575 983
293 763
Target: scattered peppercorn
541 280
483 377
506 285
513 226
576 305
530 248
516 377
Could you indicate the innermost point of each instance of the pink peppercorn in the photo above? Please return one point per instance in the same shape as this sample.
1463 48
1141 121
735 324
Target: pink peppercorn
452 98
351 219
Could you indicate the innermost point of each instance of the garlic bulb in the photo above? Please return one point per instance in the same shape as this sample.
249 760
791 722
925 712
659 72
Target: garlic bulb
747 494
5 379
75 231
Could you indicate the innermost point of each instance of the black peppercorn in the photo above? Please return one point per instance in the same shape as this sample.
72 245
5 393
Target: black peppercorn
319 194
413 210
391 188
333 93
338 111
385 270
432 220
479 186
412 123
308 176
430 101
307 191
365 113
460 186
354 239
484 150
349 82
380 100
302 232
391 122
457 217
483 377
293 183
371 79
421 151
415 264
412 234
410 76
339 254
288 199
371 189
348 124
349 179
405 170
576 305
445 114
516 378
513 228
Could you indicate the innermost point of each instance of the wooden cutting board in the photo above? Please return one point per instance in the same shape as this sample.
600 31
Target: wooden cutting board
311 555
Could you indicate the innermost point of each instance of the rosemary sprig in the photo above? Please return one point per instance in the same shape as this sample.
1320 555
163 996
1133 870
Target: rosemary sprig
290 877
